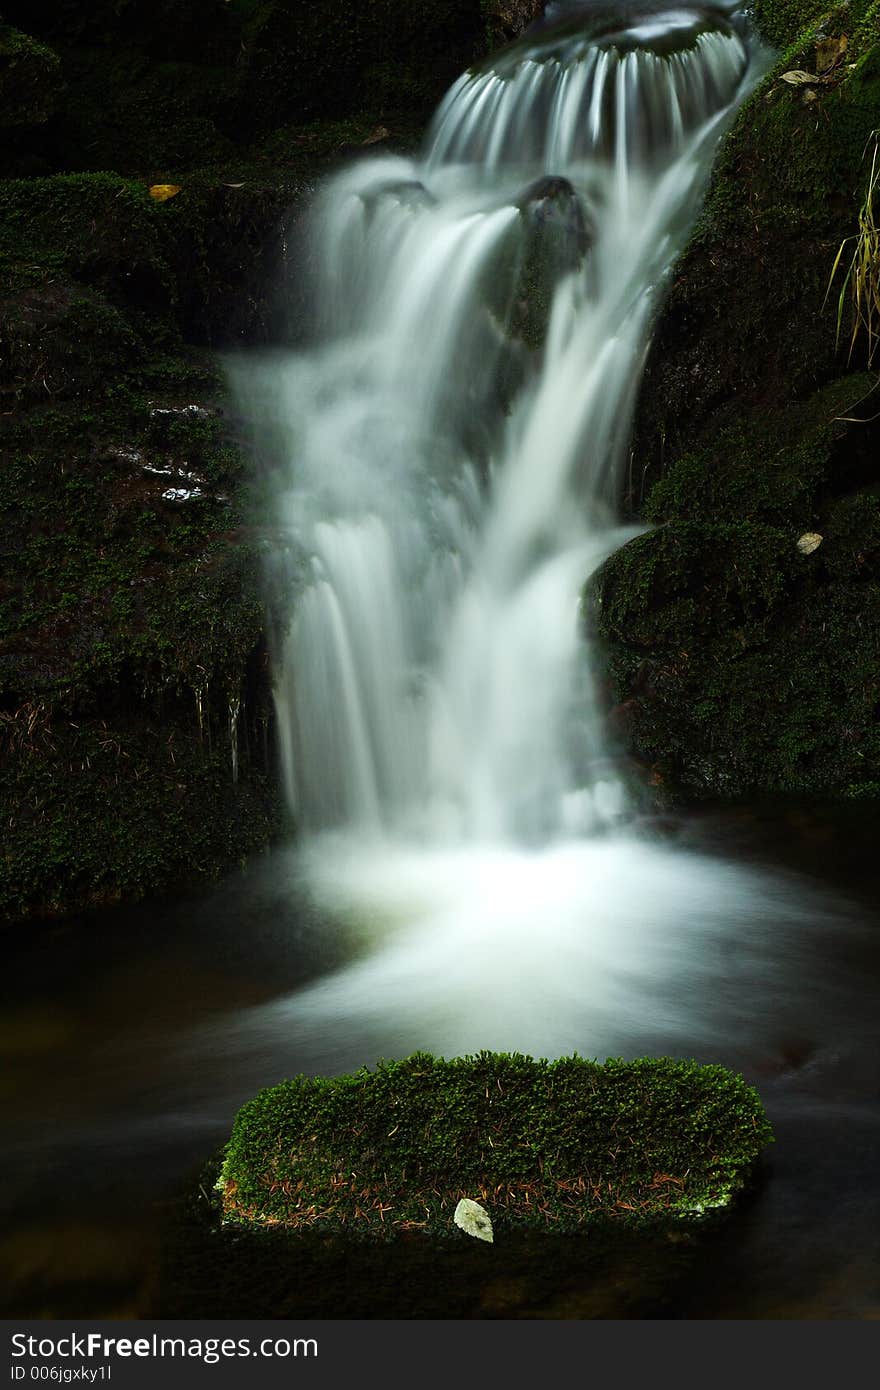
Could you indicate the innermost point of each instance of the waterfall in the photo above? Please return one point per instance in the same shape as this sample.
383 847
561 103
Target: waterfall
449 452
457 432
454 437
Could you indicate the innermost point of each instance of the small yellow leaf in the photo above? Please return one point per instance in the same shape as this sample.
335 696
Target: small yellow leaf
163 191
380 133
796 77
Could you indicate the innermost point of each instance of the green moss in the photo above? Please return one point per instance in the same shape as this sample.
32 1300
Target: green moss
866 30
541 1144
335 1197
505 20
104 230
165 592
742 665
203 265
30 79
226 231
164 28
61 339
785 193
739 665
784 23
123 111
327 58
770 467
653 591
129 622
853 538
104 808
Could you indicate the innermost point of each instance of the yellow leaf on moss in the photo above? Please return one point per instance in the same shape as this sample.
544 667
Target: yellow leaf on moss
163 191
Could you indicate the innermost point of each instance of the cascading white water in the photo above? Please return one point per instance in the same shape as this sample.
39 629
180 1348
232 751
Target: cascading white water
454 442
457 432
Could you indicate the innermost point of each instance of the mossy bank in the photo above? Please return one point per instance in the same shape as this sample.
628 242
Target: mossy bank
739 662
135 709
592 1174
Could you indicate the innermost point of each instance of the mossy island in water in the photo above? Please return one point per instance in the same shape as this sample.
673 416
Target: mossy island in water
337 1196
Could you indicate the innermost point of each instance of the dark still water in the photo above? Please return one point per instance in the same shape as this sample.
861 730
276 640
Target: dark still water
128 1040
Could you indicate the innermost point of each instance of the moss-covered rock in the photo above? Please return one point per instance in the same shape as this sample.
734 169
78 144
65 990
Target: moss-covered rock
738 663
103 229
30 79
133 697
336 1197
165 28
116 804
126 111
560 1144
131 658
782 22
507 19
748 320
336 56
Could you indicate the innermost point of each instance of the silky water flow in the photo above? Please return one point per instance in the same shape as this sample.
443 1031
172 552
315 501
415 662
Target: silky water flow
453 442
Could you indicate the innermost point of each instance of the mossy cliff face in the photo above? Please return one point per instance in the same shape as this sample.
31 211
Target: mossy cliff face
738 662
334 56
130 606
135 710
30 78
598 1180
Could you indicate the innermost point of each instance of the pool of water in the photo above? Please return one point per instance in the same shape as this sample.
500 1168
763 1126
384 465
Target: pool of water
746 936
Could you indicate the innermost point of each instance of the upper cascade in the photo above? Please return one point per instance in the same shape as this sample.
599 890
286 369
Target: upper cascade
628 81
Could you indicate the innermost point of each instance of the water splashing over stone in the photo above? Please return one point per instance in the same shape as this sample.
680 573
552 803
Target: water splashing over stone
457 434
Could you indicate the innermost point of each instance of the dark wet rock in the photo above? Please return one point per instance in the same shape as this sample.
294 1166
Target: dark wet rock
338 55
59 339
506 20
558 227
162 28
568 28
556 236
30 80
753 429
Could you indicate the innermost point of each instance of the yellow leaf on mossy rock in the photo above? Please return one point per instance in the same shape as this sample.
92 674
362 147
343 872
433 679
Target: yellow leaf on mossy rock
163 191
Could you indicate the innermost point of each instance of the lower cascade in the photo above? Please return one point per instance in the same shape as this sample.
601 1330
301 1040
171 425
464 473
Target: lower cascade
453 442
